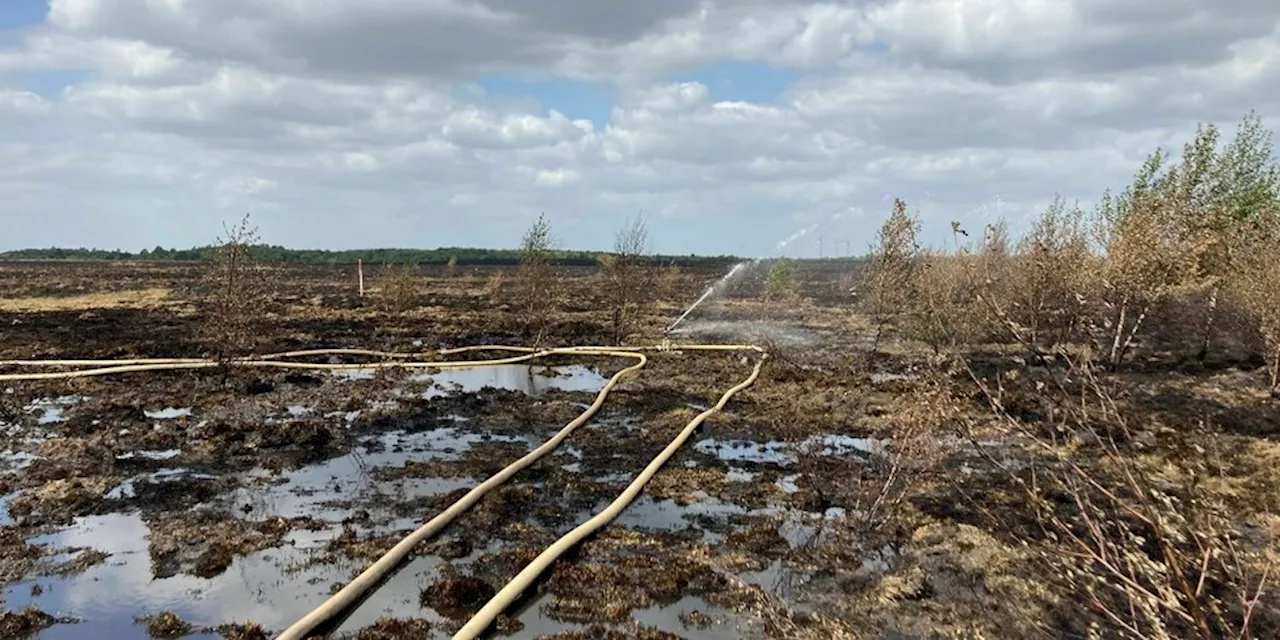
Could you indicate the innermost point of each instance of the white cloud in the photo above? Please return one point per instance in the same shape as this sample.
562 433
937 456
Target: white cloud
182 113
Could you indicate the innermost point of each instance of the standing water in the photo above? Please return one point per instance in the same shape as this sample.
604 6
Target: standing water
717 287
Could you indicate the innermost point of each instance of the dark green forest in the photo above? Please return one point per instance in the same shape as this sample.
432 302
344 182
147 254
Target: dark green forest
278 254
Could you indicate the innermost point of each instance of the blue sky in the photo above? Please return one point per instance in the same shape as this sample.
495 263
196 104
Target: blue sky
732 126
22 13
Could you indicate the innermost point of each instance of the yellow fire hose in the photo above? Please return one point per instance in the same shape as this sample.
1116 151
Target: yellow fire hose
340 602
503 599
279 361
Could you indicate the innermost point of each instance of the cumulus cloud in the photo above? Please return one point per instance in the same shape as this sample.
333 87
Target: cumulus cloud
140 122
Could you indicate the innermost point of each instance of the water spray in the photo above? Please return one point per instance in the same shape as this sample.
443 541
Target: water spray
716 287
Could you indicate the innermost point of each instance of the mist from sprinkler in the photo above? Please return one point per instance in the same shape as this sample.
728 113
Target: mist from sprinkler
715 288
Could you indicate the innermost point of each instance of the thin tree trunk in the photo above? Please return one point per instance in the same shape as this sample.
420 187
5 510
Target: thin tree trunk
1210 320
1133 333
1118 331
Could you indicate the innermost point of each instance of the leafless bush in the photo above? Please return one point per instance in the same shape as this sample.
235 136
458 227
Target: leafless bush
235 293
891 274
900 464
399 289
537 279
629 283
1154 559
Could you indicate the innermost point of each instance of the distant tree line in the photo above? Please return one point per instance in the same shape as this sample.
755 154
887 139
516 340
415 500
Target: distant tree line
279 254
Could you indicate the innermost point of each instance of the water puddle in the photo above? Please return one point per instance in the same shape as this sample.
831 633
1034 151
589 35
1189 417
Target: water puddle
689 617
711 515
168 413
532 380
14 461
672 619
784 454
167 454
51 410
273 587
128 489
5 520
329 490
350 375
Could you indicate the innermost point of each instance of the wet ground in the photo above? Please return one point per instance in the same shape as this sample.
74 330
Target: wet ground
832 499
164 525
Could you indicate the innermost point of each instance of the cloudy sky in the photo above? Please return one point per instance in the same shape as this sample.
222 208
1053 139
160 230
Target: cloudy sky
731 124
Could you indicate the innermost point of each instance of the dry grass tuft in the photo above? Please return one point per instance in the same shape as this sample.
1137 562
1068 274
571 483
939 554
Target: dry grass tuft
151 298
399 289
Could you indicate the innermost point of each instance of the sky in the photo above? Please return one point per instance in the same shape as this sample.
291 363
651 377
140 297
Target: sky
730 125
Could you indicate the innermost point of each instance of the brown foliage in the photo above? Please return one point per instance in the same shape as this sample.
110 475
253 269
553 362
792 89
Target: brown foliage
891 274
1049 274
1256 291
943 311
399 289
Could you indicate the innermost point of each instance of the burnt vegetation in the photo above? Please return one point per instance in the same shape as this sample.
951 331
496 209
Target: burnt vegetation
1058 427
1044 344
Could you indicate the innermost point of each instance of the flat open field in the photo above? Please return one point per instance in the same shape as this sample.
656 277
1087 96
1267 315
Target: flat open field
807 508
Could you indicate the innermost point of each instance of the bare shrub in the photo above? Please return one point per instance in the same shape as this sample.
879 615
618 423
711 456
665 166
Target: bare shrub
1155 559
846 287
399 289
235 293
900 464
892 271
995 256
537 290
628 281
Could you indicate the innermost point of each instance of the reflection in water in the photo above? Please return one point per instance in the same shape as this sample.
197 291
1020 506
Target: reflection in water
270 587
168 413
783 454
531 380
273 587
321 490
